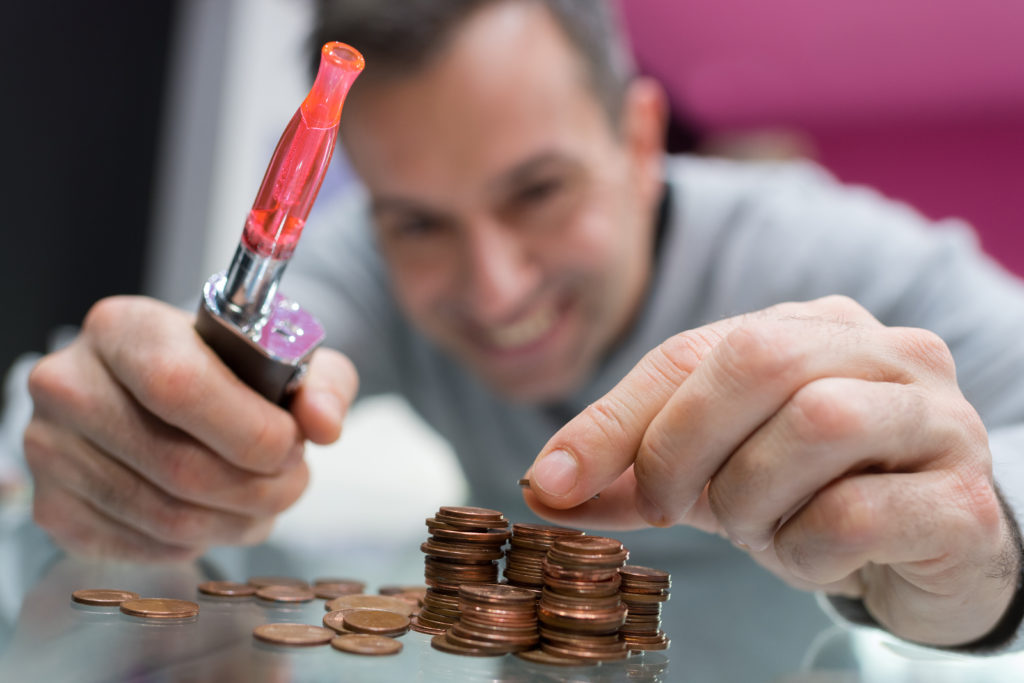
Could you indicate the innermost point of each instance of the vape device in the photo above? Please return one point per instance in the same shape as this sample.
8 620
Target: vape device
265 338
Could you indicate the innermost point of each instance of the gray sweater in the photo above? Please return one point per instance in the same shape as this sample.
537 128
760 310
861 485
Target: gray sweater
736 238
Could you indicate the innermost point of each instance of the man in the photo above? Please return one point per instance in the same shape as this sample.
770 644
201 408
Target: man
540 260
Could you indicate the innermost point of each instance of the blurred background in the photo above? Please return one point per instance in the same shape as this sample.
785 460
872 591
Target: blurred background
137 134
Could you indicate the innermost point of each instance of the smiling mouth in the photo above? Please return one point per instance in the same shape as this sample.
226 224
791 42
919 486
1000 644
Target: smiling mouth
525 331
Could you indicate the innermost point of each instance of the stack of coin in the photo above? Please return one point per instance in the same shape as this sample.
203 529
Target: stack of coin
464 545
643 590
528 546
494 620
580 610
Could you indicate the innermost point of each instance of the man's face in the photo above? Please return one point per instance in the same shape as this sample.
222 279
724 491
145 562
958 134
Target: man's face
515 222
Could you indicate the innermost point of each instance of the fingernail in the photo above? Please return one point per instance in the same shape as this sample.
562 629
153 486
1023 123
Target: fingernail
651 513
740 544
555 473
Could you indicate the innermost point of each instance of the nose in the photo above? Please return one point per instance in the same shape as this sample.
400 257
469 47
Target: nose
501 273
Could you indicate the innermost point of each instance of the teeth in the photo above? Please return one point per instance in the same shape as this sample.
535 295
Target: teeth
525 331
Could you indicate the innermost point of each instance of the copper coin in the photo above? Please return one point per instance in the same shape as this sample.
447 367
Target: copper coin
375 621
336 621
288 594
160 608
366 644
525 483
495 593
335 579
441 642
396 589
588 545
542 657
382 602
632 571
227 589
329 590
261 581
104 597
293 634
427 628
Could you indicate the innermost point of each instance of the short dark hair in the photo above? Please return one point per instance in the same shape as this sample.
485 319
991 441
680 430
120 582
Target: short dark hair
397 37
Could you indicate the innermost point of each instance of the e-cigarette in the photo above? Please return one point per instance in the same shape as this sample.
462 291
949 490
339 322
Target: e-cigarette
265 338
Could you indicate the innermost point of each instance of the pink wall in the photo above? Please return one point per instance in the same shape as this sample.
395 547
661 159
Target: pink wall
923 99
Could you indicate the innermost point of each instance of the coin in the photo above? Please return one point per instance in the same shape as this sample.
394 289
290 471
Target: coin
334 579
227 589
104 597
542 657
441 642
366 644
293 634
160 608
380 602
328 590
336 621
289 594
376 622
261 581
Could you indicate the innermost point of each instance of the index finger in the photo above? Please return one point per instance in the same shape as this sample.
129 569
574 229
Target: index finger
166 367
595 447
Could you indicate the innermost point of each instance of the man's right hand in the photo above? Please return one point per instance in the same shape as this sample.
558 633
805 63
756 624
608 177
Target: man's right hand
144 445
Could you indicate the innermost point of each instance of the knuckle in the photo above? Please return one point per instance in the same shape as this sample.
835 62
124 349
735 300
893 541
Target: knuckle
611 417
760 350
104 314
928 350
169 384
656 459
820 414
49 382
267 445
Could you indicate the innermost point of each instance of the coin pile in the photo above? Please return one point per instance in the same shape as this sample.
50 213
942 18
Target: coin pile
580 610
494 620
528 546
464 546
643 590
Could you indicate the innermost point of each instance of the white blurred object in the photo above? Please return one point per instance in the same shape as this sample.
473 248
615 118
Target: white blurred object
376 485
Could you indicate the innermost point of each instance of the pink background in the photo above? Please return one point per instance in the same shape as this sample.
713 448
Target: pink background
922 99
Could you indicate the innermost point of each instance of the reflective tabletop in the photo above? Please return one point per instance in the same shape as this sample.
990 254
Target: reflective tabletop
728 621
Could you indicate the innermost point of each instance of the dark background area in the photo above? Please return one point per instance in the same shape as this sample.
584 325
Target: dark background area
81 114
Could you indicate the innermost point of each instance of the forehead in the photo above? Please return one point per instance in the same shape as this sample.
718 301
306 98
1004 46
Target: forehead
509 86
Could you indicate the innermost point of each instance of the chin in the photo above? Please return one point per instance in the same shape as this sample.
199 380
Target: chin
539 389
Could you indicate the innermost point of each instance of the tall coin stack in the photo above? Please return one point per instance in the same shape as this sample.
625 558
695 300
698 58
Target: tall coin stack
643 590
580 610
528 546
464 546
494 620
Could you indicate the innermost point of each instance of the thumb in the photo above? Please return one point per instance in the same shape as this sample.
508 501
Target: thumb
323 398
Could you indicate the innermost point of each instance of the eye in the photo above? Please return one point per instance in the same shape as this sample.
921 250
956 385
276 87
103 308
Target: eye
538 191
414 227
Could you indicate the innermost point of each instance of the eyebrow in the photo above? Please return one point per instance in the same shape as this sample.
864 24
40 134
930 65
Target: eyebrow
518 175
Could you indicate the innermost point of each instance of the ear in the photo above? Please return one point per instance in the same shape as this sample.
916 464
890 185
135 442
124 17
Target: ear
644 122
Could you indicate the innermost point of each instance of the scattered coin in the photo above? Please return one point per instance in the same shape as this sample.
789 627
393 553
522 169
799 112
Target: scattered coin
289 594
160 608
328 590
365 644
380 602
376 622
336 621
261 581
104 597
293 634
227 589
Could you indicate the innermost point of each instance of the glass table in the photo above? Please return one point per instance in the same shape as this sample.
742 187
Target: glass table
728 620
